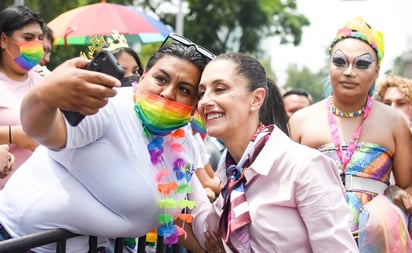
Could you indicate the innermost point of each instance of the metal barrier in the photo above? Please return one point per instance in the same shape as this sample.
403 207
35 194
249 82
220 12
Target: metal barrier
60 236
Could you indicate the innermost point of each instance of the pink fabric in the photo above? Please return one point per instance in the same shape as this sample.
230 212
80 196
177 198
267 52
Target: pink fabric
296 202
11 95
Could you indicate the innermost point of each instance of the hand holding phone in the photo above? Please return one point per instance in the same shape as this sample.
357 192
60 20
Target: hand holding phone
104 62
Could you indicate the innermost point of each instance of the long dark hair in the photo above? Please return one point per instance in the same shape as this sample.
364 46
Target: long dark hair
16 16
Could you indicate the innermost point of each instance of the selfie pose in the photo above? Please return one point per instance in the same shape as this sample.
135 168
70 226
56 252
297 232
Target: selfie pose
125 169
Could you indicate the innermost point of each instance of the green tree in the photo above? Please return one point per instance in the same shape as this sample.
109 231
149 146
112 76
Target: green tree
220 25
304 79
238 25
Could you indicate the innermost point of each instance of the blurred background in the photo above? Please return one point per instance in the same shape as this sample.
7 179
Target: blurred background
289 37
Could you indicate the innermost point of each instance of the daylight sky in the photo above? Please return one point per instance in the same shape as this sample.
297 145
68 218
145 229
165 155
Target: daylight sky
393 18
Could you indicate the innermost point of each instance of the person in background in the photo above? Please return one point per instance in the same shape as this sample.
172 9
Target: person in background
396 91
6 161
48 41
214 148
295 99
367 140
21 49
278 194
137 148
127 58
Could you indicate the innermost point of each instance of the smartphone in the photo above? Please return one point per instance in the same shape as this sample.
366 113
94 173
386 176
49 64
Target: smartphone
104 62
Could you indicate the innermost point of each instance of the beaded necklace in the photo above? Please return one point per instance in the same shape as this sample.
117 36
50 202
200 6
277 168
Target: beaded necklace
355 137
339 113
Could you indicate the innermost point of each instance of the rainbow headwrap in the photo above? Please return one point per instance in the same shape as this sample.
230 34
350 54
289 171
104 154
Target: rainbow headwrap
357 28
161 115
31 53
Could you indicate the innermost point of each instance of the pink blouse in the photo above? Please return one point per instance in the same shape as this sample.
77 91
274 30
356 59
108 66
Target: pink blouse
11 95
296 202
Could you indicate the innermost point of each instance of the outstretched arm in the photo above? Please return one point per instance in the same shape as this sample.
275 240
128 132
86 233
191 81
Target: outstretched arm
68 87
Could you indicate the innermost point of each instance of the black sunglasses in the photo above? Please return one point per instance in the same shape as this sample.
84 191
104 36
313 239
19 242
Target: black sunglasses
203 51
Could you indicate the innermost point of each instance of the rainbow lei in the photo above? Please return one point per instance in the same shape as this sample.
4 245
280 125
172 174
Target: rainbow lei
183 173
163 117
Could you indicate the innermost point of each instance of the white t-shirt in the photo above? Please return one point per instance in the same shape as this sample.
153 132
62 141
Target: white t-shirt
204 156
103 183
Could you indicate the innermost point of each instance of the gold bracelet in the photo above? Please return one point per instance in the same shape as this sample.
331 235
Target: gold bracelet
10 139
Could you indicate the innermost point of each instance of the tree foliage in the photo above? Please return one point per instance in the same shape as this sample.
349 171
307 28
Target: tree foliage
303 78
238 25
219 25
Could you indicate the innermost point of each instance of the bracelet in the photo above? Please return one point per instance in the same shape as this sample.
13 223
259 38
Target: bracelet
10 139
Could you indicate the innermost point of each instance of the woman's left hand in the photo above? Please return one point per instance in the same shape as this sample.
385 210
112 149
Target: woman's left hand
214 243
400 198
6 161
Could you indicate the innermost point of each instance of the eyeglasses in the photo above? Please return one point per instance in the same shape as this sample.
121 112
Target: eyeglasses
360 62
182 40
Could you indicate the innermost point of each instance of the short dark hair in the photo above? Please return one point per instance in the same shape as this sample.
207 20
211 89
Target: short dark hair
179 50
15 17
297 91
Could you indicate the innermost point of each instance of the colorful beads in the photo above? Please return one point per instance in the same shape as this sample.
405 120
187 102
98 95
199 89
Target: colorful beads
339 113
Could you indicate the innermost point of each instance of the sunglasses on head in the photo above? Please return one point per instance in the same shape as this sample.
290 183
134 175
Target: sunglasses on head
184 41
360 62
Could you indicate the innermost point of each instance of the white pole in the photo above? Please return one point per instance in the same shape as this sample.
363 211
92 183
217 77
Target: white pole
179 19
18 2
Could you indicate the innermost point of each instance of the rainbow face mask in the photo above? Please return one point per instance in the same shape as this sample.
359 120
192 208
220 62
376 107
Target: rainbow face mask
161 115
31 53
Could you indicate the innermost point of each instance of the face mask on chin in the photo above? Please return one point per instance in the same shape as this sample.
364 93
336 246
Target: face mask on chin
31 53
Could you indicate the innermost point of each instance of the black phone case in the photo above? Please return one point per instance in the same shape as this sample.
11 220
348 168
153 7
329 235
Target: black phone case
104 62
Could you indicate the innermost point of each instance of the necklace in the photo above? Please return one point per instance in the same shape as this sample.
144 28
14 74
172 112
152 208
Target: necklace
339 113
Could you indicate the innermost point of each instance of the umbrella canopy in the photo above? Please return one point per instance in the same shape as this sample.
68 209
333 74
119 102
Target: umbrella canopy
79 25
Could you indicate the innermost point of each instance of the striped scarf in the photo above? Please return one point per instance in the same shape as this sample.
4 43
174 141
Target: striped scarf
235 216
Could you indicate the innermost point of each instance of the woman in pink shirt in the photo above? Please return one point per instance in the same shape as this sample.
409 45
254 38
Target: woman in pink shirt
21 49
280 196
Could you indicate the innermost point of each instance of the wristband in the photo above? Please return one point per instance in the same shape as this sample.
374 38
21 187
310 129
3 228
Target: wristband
10 139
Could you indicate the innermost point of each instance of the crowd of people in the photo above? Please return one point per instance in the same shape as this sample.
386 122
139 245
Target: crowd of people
216 161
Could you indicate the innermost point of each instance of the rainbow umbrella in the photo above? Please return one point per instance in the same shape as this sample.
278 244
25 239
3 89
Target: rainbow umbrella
77 26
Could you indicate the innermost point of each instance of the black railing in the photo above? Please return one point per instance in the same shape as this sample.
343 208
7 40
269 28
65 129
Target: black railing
60 236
